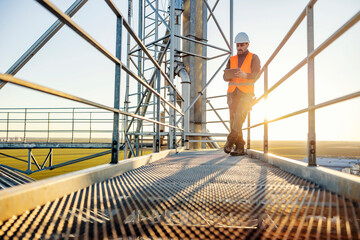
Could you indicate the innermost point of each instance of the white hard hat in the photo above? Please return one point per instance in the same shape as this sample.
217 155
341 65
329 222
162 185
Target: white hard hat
242 37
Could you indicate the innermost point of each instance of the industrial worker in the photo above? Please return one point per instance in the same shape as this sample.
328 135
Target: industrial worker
240 91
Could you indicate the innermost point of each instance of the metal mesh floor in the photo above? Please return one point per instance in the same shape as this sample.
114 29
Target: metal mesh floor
194 195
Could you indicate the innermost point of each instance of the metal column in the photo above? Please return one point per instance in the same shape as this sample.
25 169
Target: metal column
193 28
115 140
156 142
311 142
204 71
140 66
126 102
266 138
172 136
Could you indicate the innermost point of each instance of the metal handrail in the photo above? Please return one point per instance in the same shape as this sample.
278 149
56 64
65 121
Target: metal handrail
11 79
304 110
312 53
70 23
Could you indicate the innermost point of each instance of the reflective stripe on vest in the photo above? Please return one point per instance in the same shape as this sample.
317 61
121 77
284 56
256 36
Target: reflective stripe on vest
243 84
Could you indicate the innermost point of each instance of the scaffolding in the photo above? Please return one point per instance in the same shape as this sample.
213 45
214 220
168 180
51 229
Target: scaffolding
165 101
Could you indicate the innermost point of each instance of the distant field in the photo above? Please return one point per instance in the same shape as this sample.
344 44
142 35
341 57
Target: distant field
289 149
59 156
298 149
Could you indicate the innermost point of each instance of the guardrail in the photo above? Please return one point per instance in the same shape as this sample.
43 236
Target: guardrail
65 18
309 60
46 124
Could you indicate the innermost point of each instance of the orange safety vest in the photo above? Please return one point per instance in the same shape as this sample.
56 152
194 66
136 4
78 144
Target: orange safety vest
243 84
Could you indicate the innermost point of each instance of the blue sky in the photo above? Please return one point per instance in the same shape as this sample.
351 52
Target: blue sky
70 64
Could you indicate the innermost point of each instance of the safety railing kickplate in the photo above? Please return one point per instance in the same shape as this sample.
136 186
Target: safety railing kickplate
194 195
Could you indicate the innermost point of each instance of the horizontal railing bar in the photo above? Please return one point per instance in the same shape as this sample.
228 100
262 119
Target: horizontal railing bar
202 43
218 121
141 45
283 79
206 141
68 21
287 36
191 54
73 161
216 96
314 53
351 22
225 108
317 106
54 28
149 44
206 134
144 83
17 145
53 119
58 131
29 108
9 78
53 113
217 56
319 49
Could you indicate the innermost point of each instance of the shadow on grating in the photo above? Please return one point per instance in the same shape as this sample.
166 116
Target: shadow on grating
194 195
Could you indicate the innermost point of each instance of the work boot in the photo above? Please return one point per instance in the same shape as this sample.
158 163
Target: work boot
238 151
228 147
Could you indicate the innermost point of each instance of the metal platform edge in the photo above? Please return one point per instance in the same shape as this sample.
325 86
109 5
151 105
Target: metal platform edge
18 199
332 180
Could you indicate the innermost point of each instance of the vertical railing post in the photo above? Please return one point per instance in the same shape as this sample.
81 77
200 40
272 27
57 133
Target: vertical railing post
48 128
73 126
7 126
311 141
28 171
171 73
115 140
174 120
126 102
51 157
248 131
90 127
140 67
266 140
25 120
158 88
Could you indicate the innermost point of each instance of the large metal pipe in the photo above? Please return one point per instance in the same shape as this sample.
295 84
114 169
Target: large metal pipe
186 83
193 27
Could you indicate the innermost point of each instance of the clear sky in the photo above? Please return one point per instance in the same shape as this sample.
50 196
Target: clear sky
70 64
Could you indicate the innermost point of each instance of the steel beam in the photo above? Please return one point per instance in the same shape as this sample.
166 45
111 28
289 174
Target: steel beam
317 106
141 45
311 137
115 137
8 78
42 41
266 137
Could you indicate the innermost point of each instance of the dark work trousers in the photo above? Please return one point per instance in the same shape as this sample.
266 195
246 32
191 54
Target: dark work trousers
239 106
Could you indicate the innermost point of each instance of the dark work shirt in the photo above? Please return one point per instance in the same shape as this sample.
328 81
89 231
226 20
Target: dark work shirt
255 64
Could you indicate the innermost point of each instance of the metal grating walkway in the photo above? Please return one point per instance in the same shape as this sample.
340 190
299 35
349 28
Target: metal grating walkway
194 195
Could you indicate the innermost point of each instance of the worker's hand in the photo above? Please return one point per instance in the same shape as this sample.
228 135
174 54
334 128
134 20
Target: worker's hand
240 74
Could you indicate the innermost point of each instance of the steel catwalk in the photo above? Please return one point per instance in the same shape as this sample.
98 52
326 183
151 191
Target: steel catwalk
194 195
